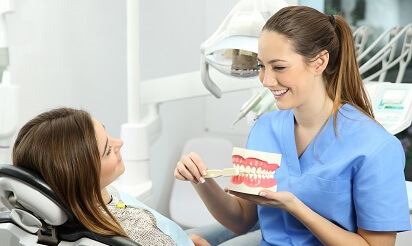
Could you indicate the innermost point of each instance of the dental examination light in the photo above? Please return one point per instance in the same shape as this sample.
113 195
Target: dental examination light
8 92
232 49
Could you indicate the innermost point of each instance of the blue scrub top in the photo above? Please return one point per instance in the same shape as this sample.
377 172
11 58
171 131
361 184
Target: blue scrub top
355 179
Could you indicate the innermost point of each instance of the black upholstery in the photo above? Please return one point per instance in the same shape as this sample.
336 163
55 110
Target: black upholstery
70 231
72 234
36 181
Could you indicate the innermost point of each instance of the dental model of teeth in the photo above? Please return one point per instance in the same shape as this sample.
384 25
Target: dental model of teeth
256 171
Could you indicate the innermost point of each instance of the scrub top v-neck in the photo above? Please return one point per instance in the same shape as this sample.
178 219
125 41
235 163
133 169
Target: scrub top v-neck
349 179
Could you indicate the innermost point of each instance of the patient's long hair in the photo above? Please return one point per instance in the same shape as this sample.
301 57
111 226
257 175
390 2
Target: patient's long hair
61 145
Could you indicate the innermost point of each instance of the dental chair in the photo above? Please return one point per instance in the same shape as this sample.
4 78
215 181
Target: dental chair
33 215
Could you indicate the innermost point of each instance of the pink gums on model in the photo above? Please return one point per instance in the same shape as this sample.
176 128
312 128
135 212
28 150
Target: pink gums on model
250 180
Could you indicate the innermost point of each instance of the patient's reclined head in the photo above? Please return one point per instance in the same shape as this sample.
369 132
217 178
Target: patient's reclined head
61 145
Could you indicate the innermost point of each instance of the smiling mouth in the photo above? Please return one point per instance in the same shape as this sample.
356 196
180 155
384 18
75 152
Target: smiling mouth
279 93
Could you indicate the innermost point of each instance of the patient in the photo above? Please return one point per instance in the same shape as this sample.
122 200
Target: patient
78 160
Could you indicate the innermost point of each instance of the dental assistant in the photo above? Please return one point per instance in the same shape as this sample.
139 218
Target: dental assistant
341 179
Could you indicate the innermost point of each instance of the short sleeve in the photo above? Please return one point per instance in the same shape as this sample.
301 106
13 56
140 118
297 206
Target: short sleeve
379 190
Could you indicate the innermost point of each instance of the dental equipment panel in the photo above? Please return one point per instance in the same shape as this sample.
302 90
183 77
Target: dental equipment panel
392 105
256 171
232 49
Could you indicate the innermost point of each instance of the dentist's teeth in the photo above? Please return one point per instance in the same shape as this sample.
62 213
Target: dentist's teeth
280 92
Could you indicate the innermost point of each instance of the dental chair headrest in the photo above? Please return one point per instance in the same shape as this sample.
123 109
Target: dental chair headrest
23 190
27 188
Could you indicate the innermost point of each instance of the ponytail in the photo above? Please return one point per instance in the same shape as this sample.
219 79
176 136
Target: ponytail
345 84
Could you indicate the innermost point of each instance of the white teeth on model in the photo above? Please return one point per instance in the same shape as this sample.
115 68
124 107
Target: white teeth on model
252 172
280 92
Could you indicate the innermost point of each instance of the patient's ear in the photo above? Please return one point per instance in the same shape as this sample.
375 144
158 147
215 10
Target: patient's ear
320 62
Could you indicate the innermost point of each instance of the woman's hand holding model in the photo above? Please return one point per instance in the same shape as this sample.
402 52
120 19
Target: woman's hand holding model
236 214
282 199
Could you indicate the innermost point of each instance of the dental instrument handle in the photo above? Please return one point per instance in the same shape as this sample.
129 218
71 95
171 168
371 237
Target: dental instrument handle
227 172
249 105
264 109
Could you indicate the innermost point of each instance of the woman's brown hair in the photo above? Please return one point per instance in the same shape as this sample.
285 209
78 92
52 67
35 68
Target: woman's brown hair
310 32
61 146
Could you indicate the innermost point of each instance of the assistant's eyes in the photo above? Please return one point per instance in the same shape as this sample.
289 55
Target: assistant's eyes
279 68
109 151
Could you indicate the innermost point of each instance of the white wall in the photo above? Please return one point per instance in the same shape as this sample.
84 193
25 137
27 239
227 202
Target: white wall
69 53
170 45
